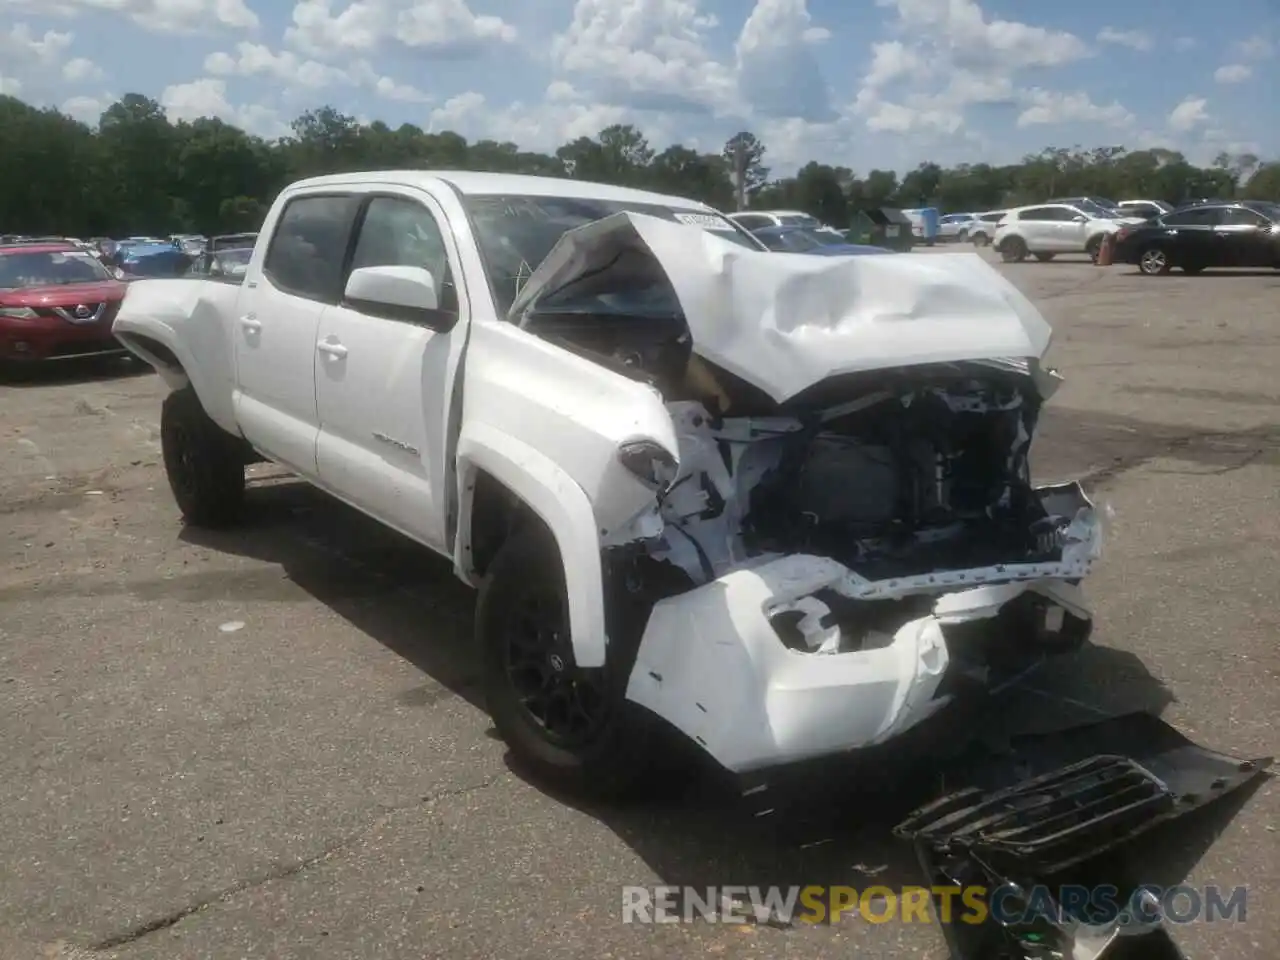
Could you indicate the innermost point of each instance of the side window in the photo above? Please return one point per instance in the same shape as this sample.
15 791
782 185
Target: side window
752 222
397 232
1197 217
1036 213
1240 217
309 245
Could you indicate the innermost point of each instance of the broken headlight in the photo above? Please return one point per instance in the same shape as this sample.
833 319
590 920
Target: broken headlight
650 463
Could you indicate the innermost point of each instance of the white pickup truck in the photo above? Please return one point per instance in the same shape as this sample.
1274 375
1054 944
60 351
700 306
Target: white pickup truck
781 502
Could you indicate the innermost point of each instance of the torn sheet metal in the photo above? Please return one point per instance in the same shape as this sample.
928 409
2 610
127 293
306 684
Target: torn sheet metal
785 323
712 663
1044 814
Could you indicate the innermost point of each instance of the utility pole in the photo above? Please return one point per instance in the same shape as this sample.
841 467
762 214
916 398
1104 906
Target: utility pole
740 173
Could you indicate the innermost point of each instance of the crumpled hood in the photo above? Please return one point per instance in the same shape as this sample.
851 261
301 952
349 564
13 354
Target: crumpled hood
786 322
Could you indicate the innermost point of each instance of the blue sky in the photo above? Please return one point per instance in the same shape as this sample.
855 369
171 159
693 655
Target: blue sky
859 83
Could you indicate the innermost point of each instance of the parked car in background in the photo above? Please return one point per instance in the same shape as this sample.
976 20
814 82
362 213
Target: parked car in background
229 265
136 261
56 301
955 227
1204 236
232 241
758 219
1048 229
808 240
1095 206
1146 209
924 224
983 228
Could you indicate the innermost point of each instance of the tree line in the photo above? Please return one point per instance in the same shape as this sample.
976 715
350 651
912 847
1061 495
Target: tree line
139 173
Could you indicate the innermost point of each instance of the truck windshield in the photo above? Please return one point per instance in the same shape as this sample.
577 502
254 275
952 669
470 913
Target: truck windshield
515 233
44 268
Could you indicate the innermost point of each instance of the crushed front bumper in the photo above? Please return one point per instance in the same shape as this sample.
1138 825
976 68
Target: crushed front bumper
713 664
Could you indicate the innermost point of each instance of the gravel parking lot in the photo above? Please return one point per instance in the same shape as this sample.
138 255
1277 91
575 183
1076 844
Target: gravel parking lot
267 742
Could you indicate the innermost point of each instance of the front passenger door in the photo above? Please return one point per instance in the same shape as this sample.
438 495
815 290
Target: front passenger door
383 385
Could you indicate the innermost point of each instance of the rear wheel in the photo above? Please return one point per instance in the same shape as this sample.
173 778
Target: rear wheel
204 463
1044 257
962 236
981 240
1013 250
569 726
1154 262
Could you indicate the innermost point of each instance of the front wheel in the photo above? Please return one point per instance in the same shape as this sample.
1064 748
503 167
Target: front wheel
1154 262
204 463
569 726
1013 250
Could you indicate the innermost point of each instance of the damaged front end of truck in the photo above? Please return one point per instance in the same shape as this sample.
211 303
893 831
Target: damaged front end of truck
846 531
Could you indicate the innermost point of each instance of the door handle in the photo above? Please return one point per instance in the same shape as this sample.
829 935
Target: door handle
251 323
335 350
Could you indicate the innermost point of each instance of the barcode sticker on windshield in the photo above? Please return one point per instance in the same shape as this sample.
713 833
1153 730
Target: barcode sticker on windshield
708 220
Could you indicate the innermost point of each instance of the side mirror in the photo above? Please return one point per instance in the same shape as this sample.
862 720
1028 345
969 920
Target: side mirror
1080 218
398 293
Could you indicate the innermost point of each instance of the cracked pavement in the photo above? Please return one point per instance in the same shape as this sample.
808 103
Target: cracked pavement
267 742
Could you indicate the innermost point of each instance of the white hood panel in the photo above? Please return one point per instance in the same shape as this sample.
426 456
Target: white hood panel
785 322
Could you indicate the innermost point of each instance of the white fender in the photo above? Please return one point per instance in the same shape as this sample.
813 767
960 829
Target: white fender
563 506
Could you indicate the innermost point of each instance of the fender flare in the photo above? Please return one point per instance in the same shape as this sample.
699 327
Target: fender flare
563 506
133 332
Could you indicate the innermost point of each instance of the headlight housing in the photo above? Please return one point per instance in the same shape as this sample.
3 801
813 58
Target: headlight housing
650 463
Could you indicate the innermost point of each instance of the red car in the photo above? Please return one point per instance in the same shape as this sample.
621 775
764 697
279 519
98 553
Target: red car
57 301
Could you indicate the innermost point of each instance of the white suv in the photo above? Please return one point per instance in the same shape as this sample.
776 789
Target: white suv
982 229
1049 229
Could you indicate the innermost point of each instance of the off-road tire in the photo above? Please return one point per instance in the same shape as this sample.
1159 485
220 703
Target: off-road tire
1013 250
614 761
204 463
1045 257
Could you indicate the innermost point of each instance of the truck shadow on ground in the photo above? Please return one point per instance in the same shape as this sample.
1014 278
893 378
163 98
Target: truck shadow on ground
828 824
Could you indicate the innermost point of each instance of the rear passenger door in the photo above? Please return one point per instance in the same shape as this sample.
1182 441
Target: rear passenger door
383 382
274 332
1246 238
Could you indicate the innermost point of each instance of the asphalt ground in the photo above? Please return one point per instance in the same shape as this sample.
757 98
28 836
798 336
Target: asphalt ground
268 743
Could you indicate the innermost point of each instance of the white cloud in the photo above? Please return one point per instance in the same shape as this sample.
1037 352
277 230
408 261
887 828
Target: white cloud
891 61
159 16
438 27
1233 73
87 109
960 29
1189 114
207 97
256 60
22 43
10 86
777 71
1050 107
649 55
1133 39
1256 47
541 126
81 70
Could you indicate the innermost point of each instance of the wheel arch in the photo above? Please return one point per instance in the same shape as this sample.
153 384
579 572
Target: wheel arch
503 483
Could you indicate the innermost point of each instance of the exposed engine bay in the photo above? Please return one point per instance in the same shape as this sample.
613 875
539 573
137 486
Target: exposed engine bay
923 470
